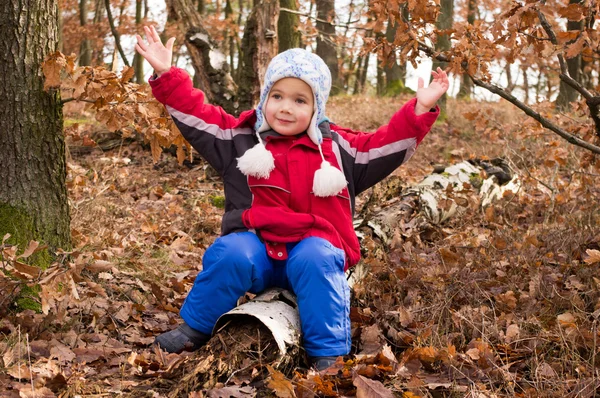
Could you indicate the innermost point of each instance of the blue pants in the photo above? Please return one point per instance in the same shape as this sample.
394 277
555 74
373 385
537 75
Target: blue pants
314 271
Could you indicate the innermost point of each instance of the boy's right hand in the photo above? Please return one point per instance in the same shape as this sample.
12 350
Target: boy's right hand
157 55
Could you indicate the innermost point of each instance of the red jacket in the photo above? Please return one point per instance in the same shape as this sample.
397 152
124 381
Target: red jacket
282 208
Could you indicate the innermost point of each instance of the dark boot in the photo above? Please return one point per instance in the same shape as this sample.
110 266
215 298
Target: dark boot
322 363
180 339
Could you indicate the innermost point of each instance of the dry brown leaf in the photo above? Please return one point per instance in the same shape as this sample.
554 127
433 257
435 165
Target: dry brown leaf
367 388
61 352
593 256
33 245
371 340
566 320
38 392
281 386
512 333
19 372
231 392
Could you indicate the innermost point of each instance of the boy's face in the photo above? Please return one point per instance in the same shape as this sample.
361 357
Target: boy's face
290 106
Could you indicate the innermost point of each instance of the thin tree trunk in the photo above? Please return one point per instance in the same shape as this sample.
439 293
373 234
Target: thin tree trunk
230 35
326 46
395 76
33 194
566 93
85 49
466 84
525 84
138 60
444 22
345 73
364 72
98 53
115 33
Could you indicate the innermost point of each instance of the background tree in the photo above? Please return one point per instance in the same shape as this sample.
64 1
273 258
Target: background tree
85 51
443 24
288 35
33 195
326 41
138 61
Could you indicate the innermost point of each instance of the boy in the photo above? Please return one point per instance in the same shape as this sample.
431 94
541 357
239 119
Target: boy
290 179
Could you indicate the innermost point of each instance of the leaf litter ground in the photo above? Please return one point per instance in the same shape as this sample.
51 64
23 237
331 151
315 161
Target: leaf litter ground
501 301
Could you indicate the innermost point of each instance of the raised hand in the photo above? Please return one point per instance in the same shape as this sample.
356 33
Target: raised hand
157 55
428 96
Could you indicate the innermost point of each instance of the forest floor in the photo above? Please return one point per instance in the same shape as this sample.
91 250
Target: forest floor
502 301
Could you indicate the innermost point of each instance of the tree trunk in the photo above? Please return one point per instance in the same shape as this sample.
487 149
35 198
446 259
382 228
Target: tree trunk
98 53
85 50
259 46
211 77
395 76
326 46
230 35
138 60
33 194
566 93
466 84
288 35
444 22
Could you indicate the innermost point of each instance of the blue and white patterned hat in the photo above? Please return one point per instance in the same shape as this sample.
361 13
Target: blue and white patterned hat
310 68
313 71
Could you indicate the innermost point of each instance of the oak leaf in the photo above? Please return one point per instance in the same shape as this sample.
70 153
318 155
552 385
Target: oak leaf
367 388
573 12
281 386
594 256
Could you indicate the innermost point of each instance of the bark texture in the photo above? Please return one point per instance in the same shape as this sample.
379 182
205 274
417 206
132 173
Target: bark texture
85 49
33 194
259 46
326 45
444 22
287 27
211 77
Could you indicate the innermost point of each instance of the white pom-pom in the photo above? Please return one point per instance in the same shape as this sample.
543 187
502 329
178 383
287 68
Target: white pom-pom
328 181
256 162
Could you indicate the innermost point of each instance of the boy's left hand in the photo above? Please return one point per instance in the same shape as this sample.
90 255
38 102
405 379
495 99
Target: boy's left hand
428 96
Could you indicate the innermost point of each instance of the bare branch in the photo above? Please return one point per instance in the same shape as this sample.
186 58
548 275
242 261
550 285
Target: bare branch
116 35
572 139
343 25
593 103
564 75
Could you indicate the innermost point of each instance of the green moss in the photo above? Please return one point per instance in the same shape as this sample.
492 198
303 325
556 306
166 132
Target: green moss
17 222
29 299
396 88
218 201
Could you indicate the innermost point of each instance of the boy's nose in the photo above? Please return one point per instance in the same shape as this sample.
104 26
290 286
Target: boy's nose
286 107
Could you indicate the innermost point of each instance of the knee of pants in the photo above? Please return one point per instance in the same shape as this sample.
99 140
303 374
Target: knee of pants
238 251
315 256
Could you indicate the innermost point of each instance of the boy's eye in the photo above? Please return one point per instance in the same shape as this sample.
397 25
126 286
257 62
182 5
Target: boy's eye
276 96
301 101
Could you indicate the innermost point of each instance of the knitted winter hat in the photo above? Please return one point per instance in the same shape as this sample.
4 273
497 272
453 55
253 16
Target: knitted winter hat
310 68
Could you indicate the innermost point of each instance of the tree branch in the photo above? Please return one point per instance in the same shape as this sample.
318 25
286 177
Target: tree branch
593 102
572 139
344 25
116 35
